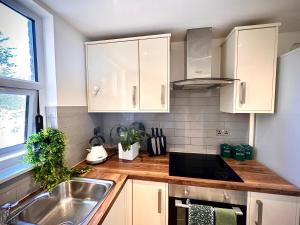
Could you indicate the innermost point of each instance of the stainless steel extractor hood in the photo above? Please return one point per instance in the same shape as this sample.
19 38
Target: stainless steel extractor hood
198 58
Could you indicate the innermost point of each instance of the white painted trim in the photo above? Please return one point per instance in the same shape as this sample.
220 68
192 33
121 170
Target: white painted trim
32 109
248 208
20 84
274 71
298 212
252 129
128 39
169 76
249 27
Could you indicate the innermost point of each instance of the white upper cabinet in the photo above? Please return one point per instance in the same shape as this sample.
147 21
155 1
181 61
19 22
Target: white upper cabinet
154 74
249 55
128 75
113 76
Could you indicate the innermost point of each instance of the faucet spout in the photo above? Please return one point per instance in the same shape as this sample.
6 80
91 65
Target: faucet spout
5 210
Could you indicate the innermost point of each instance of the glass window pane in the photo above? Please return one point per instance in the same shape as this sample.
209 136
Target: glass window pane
12 119
17 59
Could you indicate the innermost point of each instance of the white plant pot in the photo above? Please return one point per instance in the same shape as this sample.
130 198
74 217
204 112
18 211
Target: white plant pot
129 154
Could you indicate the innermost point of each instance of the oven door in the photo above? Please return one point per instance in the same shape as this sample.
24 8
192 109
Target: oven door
178 213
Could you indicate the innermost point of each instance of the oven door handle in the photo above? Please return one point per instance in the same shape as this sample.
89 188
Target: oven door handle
179 204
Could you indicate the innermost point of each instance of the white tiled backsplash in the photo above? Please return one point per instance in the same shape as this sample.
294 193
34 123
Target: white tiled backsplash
191 124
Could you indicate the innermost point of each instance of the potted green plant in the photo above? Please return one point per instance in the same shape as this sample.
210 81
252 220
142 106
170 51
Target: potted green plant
130 139
45 152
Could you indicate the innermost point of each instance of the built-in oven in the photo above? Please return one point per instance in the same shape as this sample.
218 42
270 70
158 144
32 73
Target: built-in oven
180 196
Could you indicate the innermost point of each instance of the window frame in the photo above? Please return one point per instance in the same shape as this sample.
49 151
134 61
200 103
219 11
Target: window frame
27 87
30 123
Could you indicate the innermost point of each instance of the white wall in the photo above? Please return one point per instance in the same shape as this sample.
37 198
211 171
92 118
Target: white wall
64 58
70 64
286 41
278 136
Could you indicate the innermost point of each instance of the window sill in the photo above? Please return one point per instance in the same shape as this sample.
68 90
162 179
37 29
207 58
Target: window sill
14 171
12 167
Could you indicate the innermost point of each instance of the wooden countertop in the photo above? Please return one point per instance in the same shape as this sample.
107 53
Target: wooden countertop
256 177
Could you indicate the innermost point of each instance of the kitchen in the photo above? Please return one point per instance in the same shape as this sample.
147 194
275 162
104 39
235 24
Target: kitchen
206 76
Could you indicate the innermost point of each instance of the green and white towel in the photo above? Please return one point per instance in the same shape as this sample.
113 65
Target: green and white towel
201 215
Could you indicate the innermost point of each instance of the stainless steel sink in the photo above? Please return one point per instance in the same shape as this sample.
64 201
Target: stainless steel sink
71 202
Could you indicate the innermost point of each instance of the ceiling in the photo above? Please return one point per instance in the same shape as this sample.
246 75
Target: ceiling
100 19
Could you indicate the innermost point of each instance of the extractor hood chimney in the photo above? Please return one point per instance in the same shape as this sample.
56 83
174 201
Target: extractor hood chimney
198 58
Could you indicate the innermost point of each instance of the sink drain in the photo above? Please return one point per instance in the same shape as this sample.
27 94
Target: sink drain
66 223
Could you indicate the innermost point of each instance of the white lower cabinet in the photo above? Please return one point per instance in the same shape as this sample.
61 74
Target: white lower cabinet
270 209
150 203
140 203
121 211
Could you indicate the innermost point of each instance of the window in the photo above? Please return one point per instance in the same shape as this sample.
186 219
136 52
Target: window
17 45
19 81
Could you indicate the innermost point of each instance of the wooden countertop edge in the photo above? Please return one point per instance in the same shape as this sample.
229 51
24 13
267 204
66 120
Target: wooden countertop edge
252 187
280 189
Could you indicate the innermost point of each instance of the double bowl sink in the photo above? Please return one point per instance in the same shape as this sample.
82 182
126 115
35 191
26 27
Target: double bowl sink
71 202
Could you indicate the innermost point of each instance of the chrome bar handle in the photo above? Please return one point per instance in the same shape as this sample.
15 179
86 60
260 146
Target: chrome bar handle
134 95
259 212
179 204
243 93
163 93
159 201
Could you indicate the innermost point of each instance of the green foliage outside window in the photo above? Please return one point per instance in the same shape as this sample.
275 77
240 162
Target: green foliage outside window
6 54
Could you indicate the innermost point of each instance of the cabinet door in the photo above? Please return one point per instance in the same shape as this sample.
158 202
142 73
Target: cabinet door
121 211
113 76
154 74
273 209
256 65
150 203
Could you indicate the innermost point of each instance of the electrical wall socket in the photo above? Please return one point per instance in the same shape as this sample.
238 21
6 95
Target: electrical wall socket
218 132
223 132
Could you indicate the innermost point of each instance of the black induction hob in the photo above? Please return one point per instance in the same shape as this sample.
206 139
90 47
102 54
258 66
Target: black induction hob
201 166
